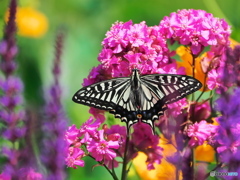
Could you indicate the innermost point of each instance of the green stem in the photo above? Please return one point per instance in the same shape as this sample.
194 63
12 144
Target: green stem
113 174
124 167
193 163
204 88
193 94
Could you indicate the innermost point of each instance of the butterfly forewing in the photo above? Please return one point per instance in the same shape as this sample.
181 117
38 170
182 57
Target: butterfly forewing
103 95
170 87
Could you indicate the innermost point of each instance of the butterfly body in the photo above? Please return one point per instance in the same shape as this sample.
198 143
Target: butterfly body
137 97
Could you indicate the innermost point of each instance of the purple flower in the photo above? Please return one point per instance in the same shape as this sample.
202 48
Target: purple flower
228 136
55 123
30 174
227 139
11 114
200 132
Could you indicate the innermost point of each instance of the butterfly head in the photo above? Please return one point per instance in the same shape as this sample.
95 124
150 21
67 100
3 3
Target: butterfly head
135 71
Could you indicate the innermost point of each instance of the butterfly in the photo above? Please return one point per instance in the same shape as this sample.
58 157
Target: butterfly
137 97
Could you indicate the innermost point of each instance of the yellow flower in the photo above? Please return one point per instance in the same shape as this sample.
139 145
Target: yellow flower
187 63
205 153
233 43
30 22
163 171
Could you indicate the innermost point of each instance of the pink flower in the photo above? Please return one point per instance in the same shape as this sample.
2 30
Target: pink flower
101 149
195 28
176 108
90 128
143 137
200 132
72 135
134 45
97 113
119 133
143 140
202 110
97 74
73 158
213 79
5 176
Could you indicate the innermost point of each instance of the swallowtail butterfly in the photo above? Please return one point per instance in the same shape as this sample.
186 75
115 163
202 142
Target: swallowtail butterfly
137 97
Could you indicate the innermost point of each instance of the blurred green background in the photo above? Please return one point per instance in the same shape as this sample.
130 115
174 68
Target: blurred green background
85 23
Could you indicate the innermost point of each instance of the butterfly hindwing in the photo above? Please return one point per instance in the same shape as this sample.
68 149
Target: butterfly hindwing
165 89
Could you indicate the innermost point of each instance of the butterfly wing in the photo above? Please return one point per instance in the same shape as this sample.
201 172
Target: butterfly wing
155 91
159 90
104 95
112 95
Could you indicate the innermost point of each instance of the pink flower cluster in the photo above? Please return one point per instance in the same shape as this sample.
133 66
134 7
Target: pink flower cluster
88 140
129 45
108 143
196 28
200 132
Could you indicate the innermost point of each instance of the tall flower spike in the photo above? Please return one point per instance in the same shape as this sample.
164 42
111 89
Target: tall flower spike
228 136
11 87
55 123
8 48
12 116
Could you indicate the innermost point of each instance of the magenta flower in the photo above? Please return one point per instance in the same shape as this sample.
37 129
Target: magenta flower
176 108
74 156
143 140
97 74
213 79
101 149
72 135
97 114
5 176
202 110
154 155
196 28
200 132
132 45
119 133
89 128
